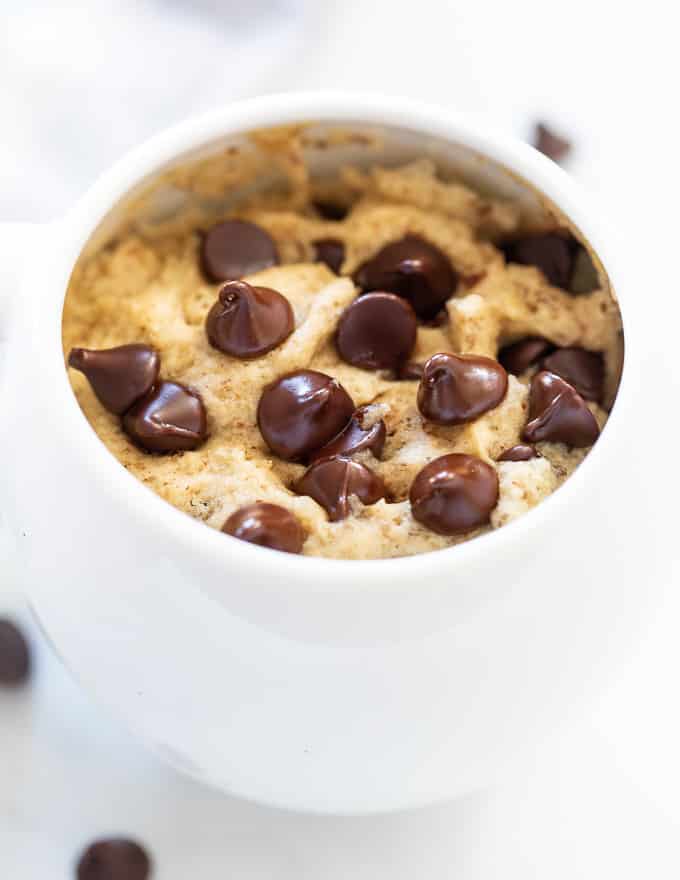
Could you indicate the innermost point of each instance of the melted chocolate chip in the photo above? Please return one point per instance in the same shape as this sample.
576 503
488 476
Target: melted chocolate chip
301 412
456 388
580 368
454 493
355 437
236 248
553 254
247 322
551 144
413 269
331 210
266 525
519 356
558 413
114 859
410 371
376 331
330 251
332 482
118 376
520 452
170 418
15 656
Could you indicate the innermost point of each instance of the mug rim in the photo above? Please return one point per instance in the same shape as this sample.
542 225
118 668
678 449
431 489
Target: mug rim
320 573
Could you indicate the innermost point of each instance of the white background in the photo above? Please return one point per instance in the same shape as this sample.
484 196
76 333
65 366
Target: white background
80 82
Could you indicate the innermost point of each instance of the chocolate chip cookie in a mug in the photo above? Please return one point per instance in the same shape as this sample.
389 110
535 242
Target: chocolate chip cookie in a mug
313 403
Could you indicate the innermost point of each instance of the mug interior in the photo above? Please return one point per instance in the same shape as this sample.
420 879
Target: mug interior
193 184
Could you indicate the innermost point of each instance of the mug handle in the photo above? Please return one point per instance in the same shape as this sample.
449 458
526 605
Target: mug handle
15 242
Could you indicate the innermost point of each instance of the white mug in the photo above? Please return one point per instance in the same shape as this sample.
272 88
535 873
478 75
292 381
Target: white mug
314 684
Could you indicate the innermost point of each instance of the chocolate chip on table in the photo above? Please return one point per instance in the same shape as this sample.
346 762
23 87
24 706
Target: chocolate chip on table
376 331
551 144
558 413
332 482
331 210
409 372
454 494
236 248
15 655
302 411
114 859
267 525
580 368
118 376
170 418
456 388
519 356
550 252
413 269
247 322
520 452
330 251
355 437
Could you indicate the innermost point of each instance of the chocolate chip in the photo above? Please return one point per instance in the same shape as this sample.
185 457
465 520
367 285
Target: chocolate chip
332 482
454 493
118 376
15 656
558 413
410 371
519 356
456 388
266 525
413 269
302 411
376 331
170 418
114 859
520 452
330 251
331 210
236 248
551 144
355 437
580 368
553 254
247 321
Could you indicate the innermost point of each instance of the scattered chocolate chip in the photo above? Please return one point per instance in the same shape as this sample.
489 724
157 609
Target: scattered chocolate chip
454 493
118 376
519 356
413 269
456 388
330 251
114 859
558 413
410 371
267 525
355 437
15 656
170 418
580 368
331 210
236 248
520 452
553 254
247 321
302 411
553 145
377 331
332 482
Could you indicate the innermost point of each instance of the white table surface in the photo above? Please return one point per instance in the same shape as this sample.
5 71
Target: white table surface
601 799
